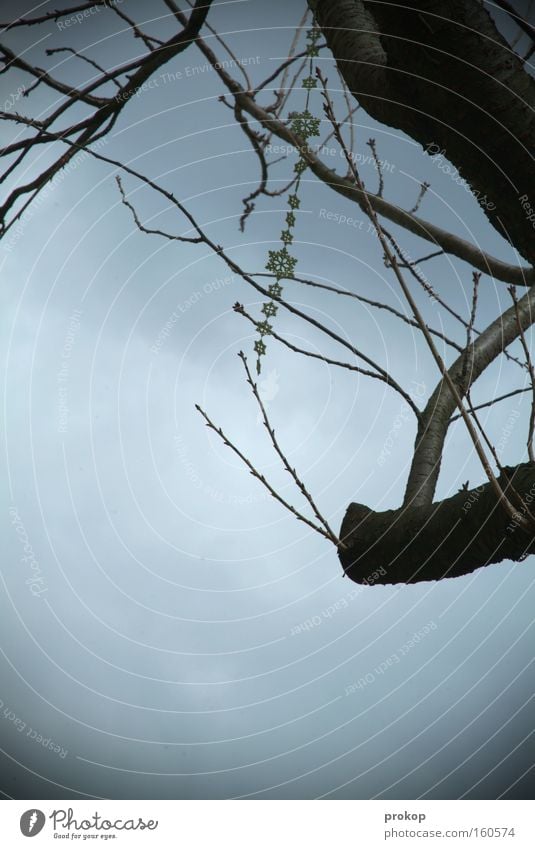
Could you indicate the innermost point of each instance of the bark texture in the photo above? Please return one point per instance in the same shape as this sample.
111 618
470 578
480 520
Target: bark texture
447 539
440 71
435 419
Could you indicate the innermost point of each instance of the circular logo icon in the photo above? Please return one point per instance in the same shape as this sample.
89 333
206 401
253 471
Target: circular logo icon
31 822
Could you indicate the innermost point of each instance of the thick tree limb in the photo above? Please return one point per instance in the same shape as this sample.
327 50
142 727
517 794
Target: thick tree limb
413 67
446 539
434 420
448 242
145 66
440 71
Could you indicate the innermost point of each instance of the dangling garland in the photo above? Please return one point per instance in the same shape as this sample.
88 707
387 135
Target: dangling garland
281 263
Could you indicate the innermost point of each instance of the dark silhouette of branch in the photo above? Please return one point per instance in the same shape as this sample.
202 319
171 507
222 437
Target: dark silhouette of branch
530 369
249 278
494 401
422 193
376 304
290 469
240 309
323 529
108 109
420 492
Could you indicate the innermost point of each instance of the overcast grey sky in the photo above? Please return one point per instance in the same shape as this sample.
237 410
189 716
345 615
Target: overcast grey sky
160 650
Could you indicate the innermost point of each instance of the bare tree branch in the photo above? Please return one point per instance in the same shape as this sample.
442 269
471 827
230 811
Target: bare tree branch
530 369
51 16
249 278
376 304
239 308
448 242
494 401
421 493
323 529
290 469
108 109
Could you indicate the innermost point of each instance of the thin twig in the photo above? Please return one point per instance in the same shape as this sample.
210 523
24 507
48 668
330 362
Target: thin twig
376 304
255 473
258 143
476 277
290 469
417 262
149 231
347 98
531 372
51 16
279 70
248 278
373 147
494 401
412 268
347 118
293 47
52 50
239 308
227 49
149 41
423 191
500 494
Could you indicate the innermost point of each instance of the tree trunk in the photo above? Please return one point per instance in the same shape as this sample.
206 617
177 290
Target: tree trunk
440 71
443 540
